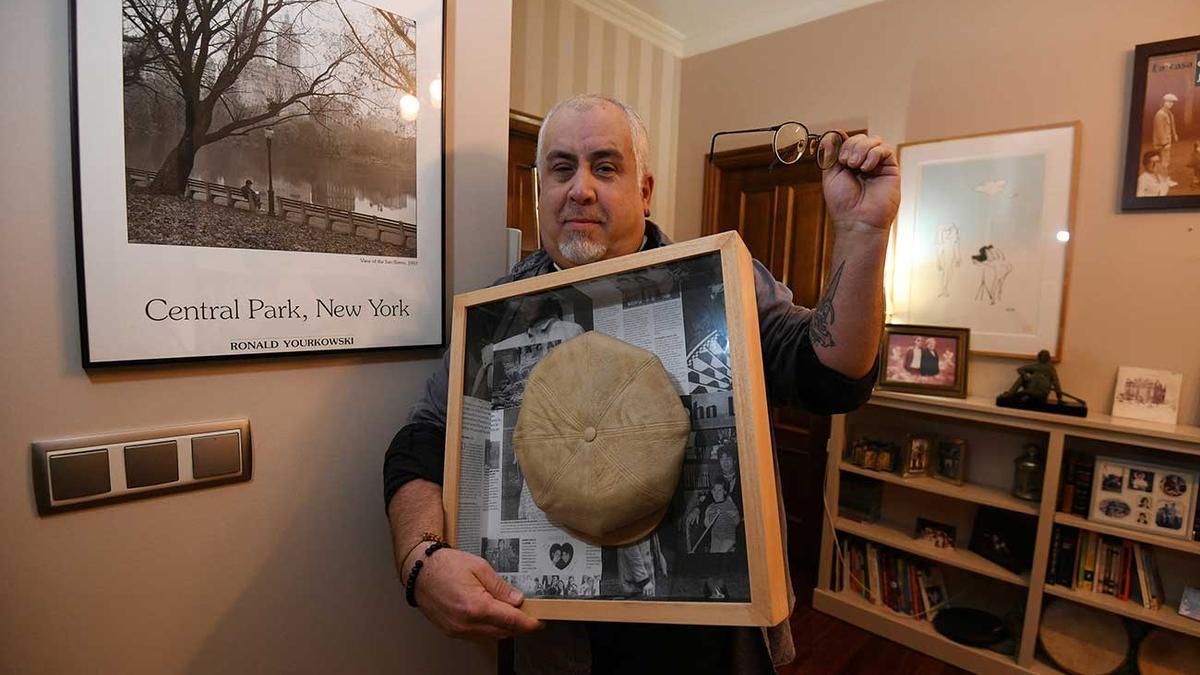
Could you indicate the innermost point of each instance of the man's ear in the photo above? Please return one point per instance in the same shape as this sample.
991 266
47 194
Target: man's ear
647 192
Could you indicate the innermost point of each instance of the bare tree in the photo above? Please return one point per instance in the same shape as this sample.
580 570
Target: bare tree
204 49
388 48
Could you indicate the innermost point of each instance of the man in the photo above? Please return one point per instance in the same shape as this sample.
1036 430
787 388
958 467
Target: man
1150 182
594 199
250 195
1165 135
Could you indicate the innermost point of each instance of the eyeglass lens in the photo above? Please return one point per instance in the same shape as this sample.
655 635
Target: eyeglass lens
791 140
793 143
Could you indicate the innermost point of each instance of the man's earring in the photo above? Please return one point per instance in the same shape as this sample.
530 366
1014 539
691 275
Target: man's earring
646 212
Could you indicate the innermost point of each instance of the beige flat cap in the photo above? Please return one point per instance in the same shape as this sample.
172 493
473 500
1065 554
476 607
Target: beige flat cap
600 438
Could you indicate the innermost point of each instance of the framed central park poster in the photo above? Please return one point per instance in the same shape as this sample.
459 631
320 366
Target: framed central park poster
257 177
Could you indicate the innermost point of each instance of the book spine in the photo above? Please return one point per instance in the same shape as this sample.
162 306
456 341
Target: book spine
1055 545
1067 557
1089 563
1139 555
873 568
1082 479
1156 587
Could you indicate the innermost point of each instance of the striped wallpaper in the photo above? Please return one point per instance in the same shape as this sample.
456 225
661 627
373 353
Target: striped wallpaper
560 49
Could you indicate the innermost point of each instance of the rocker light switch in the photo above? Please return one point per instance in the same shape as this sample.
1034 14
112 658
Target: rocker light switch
216 455
151 464
92 470
80 474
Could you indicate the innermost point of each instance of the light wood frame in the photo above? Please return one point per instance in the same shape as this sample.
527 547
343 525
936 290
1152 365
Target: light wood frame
1179 441
1072 208
769 597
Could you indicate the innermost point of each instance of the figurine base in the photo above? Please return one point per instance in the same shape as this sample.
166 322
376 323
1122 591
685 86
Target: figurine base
1025 403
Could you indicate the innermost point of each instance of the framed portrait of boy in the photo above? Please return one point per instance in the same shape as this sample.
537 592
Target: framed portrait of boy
716 556
924 360
1162 151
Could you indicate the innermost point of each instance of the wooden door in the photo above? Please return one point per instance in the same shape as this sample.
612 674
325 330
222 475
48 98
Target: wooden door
522 180
780 213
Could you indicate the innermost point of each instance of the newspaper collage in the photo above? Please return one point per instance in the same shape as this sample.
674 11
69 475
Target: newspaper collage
676 311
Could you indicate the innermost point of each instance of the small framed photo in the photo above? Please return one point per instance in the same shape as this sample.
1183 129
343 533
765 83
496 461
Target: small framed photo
1145 394
924 360
715 556
1137 495
1162 148
933 591
1189 603
884 457
950 462
916 456
940 535
1004 537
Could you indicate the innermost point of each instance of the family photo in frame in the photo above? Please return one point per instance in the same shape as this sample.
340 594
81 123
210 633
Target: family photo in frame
924 359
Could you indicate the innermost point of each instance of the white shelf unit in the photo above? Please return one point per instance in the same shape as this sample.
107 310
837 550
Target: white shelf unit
995 438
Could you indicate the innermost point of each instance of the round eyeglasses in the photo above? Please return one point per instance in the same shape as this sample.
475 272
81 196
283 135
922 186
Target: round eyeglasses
793 142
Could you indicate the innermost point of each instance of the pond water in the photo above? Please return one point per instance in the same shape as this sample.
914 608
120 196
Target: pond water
363 187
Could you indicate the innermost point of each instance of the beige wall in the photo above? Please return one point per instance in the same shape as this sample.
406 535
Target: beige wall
289 573
917 69
560 49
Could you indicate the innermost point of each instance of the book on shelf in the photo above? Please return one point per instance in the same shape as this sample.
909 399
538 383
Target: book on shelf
1076 494
1091 562
890 578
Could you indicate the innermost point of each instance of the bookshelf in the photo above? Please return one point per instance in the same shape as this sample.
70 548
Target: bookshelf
995 437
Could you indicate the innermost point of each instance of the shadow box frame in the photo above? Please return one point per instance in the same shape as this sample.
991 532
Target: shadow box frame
769 602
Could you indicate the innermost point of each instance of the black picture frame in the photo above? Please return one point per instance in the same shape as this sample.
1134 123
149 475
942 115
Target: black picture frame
434 302
1004 537
1144 92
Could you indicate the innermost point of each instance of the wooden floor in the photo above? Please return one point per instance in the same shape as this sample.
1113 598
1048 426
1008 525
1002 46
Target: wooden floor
828 645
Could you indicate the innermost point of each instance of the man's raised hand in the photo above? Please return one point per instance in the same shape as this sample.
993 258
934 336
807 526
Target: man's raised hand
863 186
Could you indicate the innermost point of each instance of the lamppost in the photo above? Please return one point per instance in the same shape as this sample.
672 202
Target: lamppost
269 132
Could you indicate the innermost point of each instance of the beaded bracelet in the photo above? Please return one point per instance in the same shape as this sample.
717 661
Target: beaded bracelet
410 586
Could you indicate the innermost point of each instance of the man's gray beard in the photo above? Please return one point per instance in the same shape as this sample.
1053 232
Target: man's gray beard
581 249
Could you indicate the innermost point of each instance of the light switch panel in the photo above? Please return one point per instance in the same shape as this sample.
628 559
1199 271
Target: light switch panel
92 470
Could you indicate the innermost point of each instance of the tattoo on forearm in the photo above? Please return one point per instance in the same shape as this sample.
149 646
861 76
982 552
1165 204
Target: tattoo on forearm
823 316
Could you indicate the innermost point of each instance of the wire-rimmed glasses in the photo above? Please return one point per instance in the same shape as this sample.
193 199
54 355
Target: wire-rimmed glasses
793 142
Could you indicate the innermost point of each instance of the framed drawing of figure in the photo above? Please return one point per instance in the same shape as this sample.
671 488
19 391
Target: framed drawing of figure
257 178
983 237
714 554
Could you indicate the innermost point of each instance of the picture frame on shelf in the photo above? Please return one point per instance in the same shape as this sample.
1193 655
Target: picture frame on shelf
917 452
983 236
1148 497
933 590
1004 537
1189 603
235 231
1162 155
692 305
924 360
950 462
1147 394
940 535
